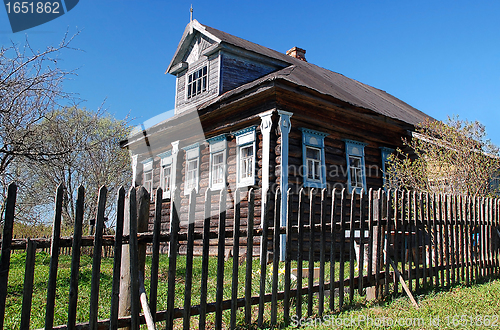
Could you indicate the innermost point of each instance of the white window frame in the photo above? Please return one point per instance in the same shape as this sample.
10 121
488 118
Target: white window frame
203 79
218 145
312 139
385 152
165 162
356 149
245 138
147 168
192 156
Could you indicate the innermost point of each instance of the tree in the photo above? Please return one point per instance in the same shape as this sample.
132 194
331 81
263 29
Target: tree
95 160
452 157
30 89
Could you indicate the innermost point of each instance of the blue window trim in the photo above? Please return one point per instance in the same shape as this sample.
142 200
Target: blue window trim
385 152
315 139
245 137
190 150
355 148
212 142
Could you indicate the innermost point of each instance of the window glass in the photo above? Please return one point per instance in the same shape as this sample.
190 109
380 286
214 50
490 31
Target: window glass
166 177
191 174
218 168
197 82
246 161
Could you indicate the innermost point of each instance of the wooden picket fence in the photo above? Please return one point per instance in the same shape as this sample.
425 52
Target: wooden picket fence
391 242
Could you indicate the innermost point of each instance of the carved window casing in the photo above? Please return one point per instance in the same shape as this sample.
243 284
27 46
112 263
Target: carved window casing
313 158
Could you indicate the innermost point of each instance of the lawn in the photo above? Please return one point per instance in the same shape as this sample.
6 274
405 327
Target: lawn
460 307
477 304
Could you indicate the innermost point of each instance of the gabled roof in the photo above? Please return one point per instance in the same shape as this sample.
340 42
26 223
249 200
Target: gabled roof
313 77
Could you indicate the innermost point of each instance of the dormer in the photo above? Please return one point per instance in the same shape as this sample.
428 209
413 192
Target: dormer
209 62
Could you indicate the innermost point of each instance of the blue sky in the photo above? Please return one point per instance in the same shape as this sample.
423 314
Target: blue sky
442 57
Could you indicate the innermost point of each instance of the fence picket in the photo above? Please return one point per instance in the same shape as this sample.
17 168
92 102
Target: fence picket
452 238
276 249
333 224
322 252
189 262
342 249
248 268
409 222
155 257
96 260
467 242
361 264
221 246
54 258
352 256
134 259
172 257
423 239
8 227
312 229
29 275
205 259
416 210
288 259
236 255
378 248
387 241
397 217
115 291
370 237
300 243
75 258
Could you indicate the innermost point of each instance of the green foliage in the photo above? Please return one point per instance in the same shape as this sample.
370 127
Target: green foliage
452 157
95 160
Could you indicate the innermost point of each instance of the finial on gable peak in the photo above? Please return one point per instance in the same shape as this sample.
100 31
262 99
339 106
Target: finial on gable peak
191 19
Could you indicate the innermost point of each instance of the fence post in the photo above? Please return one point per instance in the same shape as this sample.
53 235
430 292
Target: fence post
138 205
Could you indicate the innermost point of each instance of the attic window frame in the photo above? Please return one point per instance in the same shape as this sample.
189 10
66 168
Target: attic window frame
197 78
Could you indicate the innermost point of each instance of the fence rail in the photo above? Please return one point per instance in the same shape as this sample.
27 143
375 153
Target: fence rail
338 245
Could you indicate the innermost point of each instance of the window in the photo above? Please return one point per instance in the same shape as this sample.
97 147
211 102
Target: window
192 168
245 141
385 152
313 158
356 172
197 82
147 169
166 173
217 175
355 153
246 162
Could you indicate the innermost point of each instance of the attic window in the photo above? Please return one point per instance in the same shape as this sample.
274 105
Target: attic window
197 82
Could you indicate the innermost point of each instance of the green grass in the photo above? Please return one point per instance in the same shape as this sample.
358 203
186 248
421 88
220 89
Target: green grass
454 308
479 299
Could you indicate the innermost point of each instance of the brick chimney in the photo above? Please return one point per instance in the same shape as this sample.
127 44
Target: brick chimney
297 53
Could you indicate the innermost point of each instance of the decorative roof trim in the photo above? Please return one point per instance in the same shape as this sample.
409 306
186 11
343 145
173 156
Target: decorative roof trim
165 154
386 149
313 132
192 146
355 142
245 130
217 138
